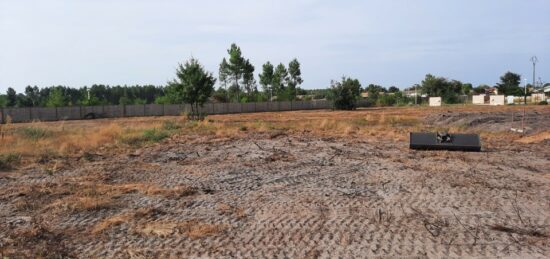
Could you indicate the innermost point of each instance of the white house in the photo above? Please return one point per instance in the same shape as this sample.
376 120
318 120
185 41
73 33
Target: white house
435 101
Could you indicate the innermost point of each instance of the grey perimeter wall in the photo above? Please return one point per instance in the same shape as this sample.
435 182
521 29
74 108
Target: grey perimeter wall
15 115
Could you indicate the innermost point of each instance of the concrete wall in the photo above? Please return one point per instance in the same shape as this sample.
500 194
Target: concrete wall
496 100
118 111
435 101
478 99
536 98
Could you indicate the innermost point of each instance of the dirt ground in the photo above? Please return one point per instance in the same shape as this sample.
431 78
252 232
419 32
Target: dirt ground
295 193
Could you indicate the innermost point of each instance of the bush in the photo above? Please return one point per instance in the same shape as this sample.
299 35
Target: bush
387 100
543 103
344 94
9 160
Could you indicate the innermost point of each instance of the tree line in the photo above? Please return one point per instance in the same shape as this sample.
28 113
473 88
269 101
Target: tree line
237 83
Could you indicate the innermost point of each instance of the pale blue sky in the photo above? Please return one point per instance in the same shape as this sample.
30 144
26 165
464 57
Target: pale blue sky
77 43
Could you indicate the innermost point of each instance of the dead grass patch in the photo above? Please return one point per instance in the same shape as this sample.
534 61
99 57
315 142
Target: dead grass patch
193 229
226 209
536 138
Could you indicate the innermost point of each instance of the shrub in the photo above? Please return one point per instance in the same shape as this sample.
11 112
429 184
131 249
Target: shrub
9 160
154 135
34 133
543 103
344 94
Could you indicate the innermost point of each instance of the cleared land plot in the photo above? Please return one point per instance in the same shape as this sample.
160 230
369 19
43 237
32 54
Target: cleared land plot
296 184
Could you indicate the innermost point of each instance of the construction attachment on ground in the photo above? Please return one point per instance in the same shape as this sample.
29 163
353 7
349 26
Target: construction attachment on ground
445 141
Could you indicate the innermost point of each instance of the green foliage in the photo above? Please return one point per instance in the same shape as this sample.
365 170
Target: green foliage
147 136
294 78
56 98
9 160
543 103
192 85
386 100
375 91
3 101
480 89
11 97
237 71
509 84
34 133
467 89
32 94
344 94
279 82
440 86
221 95
266 78
154 135
393 89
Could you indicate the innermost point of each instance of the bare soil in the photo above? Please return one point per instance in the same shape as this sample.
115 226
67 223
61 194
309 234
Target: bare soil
286 194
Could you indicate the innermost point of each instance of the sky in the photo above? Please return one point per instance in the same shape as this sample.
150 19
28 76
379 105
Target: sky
116 42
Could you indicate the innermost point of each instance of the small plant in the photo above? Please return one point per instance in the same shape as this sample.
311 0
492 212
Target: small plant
243 128
155 135
147 136
34 133
543 103
9 160
171 125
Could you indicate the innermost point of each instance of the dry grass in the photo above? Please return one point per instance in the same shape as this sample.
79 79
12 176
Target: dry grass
193 229
226 209
47 141
536 138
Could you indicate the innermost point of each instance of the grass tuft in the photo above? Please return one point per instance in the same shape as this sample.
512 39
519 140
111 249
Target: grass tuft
34 133
9 160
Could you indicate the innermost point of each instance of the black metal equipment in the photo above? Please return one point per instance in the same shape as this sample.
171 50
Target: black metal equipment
445 141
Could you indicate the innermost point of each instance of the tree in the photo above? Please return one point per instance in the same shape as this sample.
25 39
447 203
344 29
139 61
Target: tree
344 94
393 89
280 78
374 92
439 86
480 89
223 76
509 84
266 79
295 77
248 80
11 97
3 100
56 98
221 95
192 85
467 89
236 69
33 94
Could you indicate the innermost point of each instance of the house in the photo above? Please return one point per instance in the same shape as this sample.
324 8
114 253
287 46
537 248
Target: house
411 92
491 91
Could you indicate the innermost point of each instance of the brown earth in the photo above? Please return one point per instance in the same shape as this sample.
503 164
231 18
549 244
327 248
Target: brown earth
297 184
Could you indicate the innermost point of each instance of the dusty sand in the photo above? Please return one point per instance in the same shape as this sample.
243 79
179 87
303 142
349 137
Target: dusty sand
283 195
